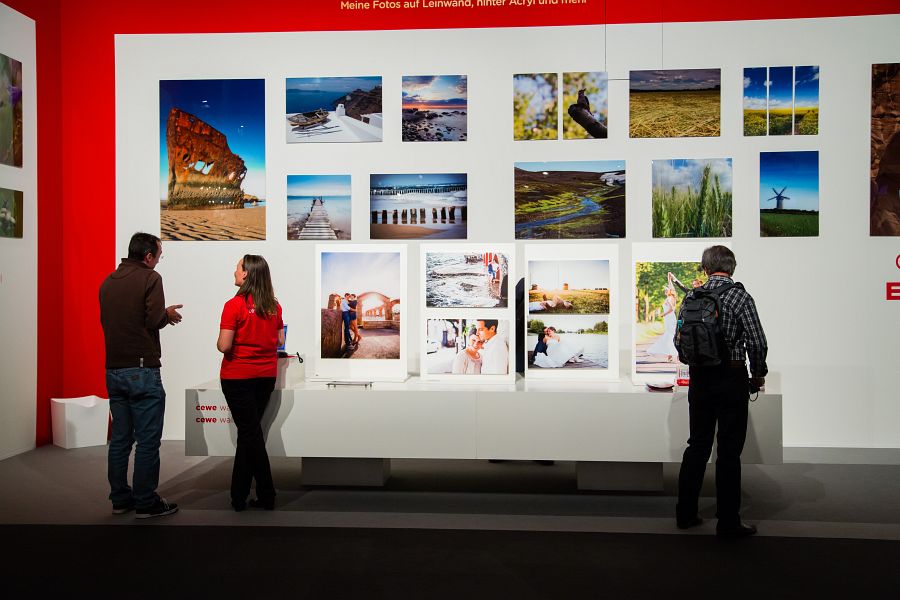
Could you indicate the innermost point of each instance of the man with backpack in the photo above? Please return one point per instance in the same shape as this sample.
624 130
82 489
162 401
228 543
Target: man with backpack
718 331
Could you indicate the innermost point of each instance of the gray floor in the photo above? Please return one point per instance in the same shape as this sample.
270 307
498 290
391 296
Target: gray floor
54 486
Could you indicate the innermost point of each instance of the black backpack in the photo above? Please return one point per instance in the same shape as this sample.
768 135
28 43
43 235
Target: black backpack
699 338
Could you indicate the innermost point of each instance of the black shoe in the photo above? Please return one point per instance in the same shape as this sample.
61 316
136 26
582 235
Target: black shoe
738 531
238 506
694 521
121 509
159 509
264 504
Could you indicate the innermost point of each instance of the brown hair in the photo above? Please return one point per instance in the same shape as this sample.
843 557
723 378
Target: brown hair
258 284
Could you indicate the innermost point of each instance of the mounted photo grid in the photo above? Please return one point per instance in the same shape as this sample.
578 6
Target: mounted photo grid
360 291
468 312
662 273
333 109
571 317
212 161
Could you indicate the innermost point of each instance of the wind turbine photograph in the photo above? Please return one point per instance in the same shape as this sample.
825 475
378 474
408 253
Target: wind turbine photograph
794 215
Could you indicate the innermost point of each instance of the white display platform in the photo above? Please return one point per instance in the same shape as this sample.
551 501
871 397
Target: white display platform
527 420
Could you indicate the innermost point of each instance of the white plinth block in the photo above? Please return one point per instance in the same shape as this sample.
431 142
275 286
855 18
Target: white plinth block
79 422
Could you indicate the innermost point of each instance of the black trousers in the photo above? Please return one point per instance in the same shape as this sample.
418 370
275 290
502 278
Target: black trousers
247 399
717 395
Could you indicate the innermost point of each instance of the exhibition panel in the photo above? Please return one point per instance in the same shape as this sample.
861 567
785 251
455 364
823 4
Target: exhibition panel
18 231
682 121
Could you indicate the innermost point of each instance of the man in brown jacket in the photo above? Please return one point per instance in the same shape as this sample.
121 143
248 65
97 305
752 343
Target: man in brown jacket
132 311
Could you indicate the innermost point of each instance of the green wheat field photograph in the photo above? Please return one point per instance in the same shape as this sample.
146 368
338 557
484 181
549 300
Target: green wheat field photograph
692 198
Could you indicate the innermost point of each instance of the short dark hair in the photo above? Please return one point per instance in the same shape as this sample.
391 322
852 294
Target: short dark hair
718 259
488 323
142 243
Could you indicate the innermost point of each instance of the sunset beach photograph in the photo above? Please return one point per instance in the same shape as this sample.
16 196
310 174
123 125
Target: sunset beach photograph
434 108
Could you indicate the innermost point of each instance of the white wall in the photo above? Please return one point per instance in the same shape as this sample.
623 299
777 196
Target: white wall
18 258
832 335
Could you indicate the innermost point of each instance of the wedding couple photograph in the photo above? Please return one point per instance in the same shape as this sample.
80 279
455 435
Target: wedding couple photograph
568 342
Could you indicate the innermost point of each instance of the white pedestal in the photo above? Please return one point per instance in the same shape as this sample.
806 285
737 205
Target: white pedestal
79 422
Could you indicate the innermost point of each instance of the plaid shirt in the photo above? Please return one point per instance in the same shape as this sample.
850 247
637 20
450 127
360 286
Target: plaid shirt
740 324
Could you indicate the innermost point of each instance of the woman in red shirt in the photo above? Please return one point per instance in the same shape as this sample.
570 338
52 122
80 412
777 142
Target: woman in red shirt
249 334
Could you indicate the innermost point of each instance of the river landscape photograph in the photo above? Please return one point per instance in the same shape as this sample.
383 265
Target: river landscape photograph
570 200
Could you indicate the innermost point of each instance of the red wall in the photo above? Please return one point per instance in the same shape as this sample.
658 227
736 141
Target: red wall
76 130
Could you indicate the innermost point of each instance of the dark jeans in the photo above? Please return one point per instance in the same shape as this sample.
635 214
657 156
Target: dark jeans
345 317
137 402
247 399
716 395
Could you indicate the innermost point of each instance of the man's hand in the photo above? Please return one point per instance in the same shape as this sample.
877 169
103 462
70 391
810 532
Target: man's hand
756 384
173 315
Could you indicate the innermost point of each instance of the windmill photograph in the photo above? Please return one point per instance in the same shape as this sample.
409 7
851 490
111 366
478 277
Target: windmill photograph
789 194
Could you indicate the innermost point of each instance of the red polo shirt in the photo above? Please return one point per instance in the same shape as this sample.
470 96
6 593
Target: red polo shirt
253 352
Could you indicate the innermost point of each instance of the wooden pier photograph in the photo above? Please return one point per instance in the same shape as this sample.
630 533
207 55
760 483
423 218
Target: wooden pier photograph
418 206
318 207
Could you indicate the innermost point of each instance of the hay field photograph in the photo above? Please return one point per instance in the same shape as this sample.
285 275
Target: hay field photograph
568 287
675 103
789 194
535 106
692 198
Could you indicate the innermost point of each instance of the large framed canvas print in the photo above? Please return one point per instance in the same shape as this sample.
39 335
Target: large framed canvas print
468 308
662 273
571 313
212 161
884 187
360 294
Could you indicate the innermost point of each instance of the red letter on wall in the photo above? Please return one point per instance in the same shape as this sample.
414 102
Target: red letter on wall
893 290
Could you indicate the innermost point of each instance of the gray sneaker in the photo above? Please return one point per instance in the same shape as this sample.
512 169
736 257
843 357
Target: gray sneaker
158 509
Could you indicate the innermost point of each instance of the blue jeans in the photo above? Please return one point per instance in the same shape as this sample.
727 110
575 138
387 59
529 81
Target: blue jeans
345 317
137 402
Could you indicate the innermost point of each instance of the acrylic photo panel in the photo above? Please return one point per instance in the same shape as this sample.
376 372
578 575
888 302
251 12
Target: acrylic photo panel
571 314
458 276
360 292
674 103
585 106
333 109
789 194
692 198
435 108
535 106
478 348
662 273
11 213
10 111
569 200
806 100
212 159
318 207
418 206
781 100
756 101
884 215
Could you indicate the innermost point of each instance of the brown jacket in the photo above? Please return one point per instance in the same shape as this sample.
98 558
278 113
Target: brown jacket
132 311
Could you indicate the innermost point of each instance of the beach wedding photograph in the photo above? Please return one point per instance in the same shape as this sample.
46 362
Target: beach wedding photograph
789 194
535 106
333 109
568 286
360 305
466 347
212 159
585 98
569 200
567 341
692 198
10 111
318 207
418 206
471 279
674 103
434 108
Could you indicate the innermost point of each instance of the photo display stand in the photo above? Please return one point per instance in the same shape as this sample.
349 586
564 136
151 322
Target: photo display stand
373 346
656 302
571 312
467 296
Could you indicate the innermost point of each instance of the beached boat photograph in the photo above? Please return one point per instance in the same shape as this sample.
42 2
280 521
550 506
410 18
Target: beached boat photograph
333 109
